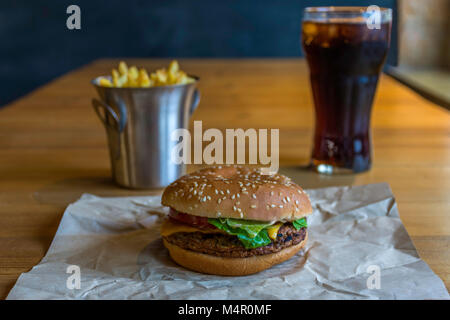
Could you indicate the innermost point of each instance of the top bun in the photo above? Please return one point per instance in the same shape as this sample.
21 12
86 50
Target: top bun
237 192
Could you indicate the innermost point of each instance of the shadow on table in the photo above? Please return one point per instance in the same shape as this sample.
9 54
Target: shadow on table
309 179
66 191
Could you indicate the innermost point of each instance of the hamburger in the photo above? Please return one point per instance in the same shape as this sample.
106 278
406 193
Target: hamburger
234 221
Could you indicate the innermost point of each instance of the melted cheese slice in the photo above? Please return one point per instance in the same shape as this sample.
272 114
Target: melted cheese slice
169 227
272 231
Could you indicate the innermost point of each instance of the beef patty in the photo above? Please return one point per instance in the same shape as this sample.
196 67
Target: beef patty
224 245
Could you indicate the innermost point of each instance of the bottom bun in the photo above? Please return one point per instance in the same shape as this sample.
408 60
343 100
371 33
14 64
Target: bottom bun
210 264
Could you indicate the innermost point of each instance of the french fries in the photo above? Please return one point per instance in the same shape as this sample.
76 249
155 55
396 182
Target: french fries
131 77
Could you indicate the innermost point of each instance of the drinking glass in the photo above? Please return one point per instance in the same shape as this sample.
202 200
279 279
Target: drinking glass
345 48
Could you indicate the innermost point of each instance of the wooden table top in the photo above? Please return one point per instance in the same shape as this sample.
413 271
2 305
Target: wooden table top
53 148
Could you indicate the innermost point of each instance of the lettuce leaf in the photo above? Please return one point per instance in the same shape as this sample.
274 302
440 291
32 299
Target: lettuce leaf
299 223
251 227
252 234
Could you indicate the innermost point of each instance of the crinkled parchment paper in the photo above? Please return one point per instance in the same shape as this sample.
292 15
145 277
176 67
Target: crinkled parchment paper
353 232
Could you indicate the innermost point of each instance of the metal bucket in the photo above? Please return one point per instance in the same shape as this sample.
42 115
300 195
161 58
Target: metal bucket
139 123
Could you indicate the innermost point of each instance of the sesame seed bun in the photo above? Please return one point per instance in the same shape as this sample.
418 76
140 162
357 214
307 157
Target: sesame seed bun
210 264
237 192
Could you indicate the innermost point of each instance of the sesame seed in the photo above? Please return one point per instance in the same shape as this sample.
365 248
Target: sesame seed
195 192
234 208
204 199
271 193
233 196
209 198
216 191
242 215
238 195
219 201
288 199
254 196
273 206
253 206
280 206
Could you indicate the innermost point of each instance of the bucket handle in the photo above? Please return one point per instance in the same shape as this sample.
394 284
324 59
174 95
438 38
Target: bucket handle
102 109
195 101
119 121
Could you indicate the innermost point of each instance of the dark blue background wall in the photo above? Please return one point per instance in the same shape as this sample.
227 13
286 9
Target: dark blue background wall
36 46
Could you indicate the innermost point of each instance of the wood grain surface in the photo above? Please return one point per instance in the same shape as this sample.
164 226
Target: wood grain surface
53 149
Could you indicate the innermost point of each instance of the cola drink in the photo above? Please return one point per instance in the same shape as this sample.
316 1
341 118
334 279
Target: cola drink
345 59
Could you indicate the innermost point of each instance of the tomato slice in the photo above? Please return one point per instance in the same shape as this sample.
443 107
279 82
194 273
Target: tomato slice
191 220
